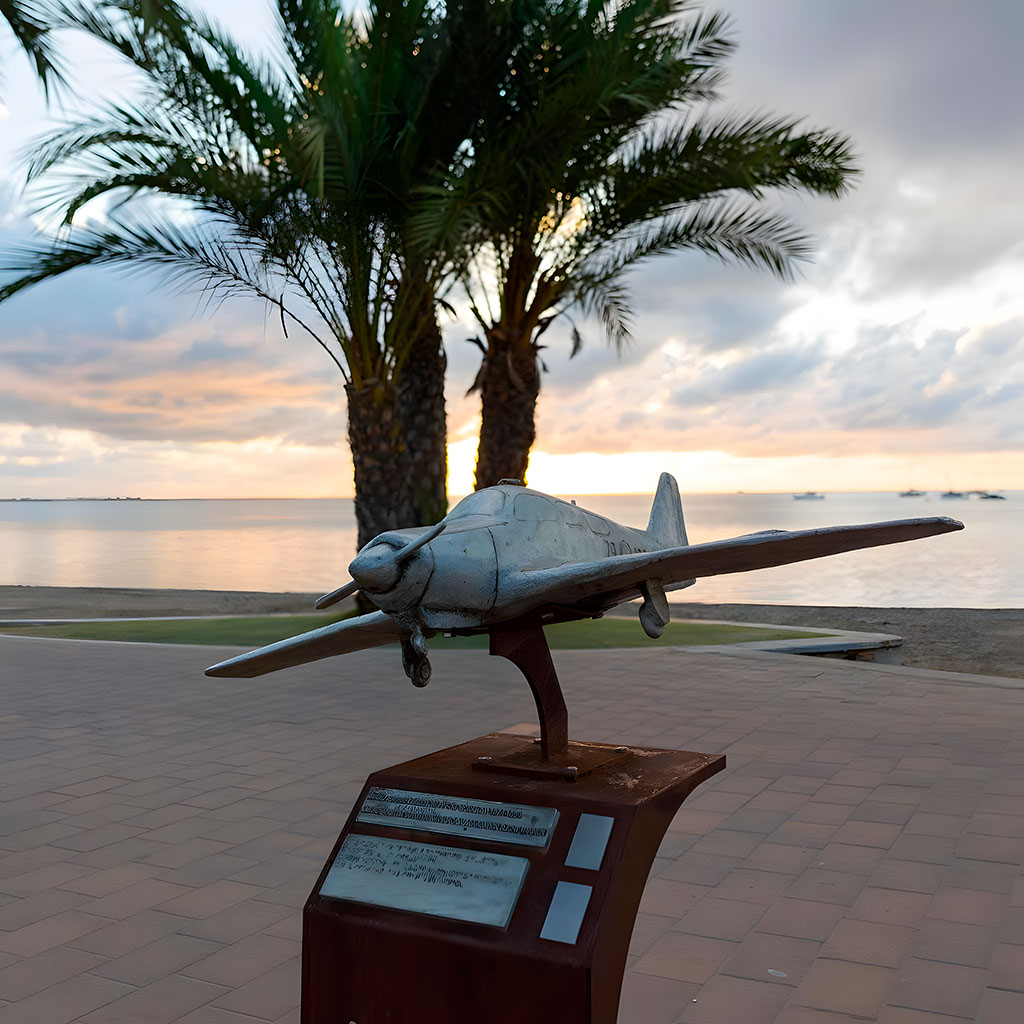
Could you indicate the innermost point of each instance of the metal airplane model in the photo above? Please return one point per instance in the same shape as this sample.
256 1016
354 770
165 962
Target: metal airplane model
507 553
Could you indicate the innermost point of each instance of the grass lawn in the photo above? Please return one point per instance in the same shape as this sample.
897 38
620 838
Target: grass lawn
255 631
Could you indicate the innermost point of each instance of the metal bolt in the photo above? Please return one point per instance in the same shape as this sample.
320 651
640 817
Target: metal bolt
484 759
571 771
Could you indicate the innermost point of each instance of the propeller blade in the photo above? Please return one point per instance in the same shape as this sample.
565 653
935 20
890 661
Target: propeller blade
335 596
405 553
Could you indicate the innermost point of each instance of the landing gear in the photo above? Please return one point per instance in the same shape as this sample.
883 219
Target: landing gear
415 660
654 612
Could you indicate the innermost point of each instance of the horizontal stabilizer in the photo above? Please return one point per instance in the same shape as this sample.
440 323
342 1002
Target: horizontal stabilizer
343 637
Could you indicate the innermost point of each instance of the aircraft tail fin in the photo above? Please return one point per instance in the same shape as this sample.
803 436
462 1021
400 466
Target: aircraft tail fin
666 525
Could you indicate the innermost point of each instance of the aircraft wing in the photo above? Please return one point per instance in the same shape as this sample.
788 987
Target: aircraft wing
343 637
608 581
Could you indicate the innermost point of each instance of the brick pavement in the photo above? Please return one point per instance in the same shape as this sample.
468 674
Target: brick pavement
860 859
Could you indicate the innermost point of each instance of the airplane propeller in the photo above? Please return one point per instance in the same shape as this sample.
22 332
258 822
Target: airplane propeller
335 596
377 568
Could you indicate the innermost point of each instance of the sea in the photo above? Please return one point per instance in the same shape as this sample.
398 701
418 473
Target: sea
305 545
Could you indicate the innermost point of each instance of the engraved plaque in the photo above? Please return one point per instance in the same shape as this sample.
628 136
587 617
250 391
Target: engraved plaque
465 885
566 912
459 816
589 841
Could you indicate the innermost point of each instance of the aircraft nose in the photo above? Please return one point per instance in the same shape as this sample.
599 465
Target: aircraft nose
376 569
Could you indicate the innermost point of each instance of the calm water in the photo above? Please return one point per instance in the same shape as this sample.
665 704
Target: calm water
306 545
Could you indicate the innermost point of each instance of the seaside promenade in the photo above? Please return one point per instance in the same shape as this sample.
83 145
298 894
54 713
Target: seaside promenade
859 860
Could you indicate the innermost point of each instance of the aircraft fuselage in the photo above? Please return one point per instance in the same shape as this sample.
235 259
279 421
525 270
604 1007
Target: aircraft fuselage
465 578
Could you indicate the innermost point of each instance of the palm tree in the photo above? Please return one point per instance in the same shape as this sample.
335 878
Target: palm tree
294 175
30 23
610 167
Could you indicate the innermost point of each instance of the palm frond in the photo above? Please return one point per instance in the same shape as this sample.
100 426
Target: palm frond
31 23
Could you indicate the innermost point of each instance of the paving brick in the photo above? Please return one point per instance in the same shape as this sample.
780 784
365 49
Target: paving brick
135 898
164 1001
909 875
889 906
214 1015
867 942
725 843
856 860
868 833
270 996
775 959
43 878
698 868
103 883
663 896
1006 968
721 919
725 1000
210 899
882 811
947 825
50 932
684 957
753 886
842 987
156 960
65 1001
649 999
819 885
986 875
971 906
928 849
206 870
188 851
801 919
234 965
238 921
21 912
647 929
939 987
805 1015
117 938
903 1015
953 942
786 860
808 835
24 978
998 1007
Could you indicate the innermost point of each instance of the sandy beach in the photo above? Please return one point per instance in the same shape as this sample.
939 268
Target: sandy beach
987 641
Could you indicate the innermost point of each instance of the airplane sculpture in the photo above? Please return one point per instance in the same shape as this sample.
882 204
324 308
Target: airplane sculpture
507 553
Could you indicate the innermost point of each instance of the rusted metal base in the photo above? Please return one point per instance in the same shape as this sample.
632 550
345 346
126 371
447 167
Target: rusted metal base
571 764
366 963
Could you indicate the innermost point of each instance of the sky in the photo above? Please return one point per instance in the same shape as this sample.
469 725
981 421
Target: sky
894 359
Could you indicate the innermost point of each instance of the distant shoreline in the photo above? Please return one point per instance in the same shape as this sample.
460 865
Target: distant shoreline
985 641
927 495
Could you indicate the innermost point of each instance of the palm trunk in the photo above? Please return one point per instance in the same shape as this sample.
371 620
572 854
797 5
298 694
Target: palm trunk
509 386
420 394
380 462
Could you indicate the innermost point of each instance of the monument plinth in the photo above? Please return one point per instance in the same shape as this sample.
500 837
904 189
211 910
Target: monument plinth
460 896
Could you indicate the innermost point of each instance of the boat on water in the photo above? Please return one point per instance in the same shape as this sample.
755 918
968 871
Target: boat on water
911 493
989 496
809 496
952 494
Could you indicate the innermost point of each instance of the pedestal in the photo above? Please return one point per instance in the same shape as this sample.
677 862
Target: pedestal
466 889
